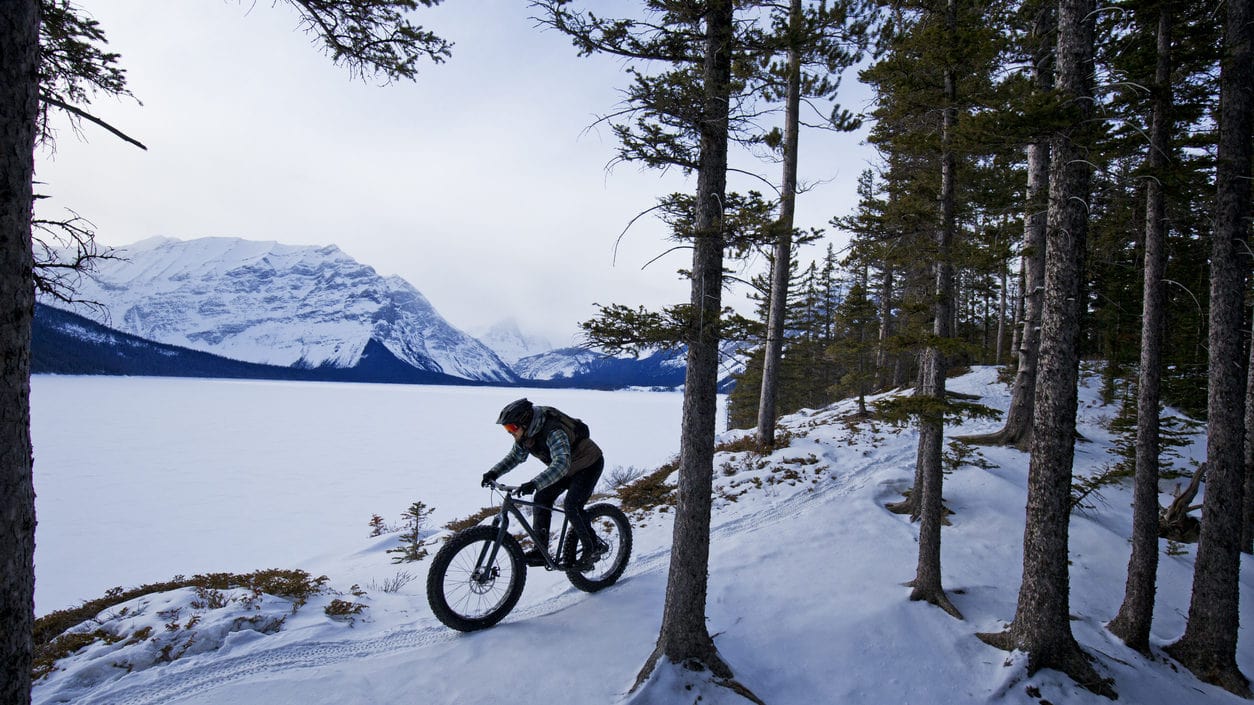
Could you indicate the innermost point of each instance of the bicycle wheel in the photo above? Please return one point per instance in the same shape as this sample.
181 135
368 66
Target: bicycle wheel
467 599
611 526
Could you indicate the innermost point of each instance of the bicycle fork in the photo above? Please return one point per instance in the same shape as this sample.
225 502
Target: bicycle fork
485 568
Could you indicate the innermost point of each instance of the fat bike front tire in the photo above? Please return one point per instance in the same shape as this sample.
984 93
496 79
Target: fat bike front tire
467 600
610 525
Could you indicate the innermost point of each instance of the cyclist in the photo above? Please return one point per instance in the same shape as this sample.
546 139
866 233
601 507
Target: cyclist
574 464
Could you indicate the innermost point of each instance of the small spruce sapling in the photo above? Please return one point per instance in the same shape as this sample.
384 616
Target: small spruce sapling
412 546
378 526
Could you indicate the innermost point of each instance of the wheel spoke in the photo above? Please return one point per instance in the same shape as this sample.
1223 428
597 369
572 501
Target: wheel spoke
468 596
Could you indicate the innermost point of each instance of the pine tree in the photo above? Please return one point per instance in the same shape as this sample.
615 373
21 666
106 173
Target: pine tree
682 117
19 55
413 545
1208 647
1039 18
854 344
1132 623
1041 626
832 37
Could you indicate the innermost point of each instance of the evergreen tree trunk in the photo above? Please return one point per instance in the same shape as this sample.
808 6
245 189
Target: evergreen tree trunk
683 638
1208 647
927 581
1132 623
782 260
1247 527
1017 431
19 84
1041 626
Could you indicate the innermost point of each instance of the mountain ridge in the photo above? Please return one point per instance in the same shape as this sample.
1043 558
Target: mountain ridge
314 309
284 305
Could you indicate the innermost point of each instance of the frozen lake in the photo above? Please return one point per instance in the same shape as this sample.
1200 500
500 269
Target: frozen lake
141 479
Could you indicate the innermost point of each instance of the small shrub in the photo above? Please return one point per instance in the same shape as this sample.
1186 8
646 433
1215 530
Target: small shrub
414 522
749 443
649 491
394 583
620 476
960 453
210 598
472 520
47 655
379 527
343 609
810 459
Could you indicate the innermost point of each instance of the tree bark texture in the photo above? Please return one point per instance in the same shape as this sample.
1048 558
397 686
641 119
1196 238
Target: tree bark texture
1041 626
1132 623
1208 647
1247 526
782 260
683 637
19 84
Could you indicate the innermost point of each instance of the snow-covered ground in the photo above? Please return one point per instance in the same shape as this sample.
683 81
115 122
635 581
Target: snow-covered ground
140 479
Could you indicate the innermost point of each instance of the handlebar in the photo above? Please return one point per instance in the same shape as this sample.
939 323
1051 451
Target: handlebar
508 489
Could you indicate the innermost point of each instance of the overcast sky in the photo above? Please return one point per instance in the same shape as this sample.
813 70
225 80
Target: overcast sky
480 183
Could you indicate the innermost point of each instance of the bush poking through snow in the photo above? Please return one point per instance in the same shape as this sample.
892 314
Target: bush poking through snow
394 583
198 614
622 475
475 519
649 491
379 527
413 526
296 585
343 609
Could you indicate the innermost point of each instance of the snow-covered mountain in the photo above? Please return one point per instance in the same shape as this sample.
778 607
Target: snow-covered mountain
581 367
275 304
510 343
556 364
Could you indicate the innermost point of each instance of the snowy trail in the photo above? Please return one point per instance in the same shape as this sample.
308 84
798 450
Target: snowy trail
200 675
161 685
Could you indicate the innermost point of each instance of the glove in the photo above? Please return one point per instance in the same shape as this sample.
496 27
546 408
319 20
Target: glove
527 487
488 478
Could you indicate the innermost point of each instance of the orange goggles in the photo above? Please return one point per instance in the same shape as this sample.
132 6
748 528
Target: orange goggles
512 428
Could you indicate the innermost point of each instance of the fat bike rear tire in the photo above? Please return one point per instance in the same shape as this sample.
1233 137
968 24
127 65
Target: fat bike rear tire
611 526
468 602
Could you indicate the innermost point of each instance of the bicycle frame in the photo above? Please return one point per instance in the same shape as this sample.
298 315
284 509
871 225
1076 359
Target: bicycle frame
509 505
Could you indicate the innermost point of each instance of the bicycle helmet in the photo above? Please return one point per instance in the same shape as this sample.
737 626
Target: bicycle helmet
516 412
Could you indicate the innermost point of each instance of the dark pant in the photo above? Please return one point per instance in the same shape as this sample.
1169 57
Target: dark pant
578 489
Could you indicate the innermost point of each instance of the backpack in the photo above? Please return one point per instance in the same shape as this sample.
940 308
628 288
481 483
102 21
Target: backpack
575 428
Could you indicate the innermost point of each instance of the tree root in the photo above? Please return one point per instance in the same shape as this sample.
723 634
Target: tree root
1067 658
1174 522
935 597
905 506
1009 437
721 673
1217 671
